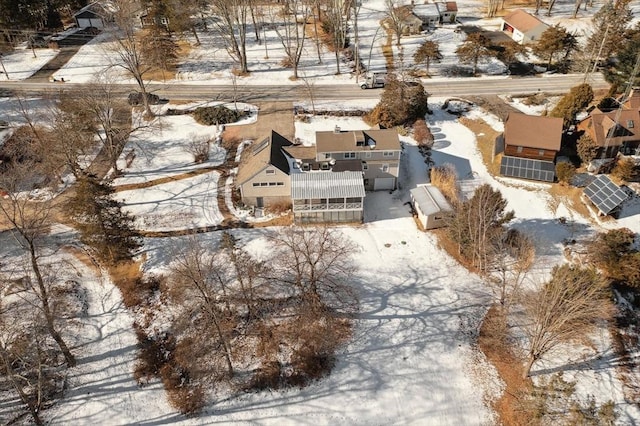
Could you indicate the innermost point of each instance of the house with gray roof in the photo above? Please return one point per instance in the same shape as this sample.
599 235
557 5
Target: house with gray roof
322 183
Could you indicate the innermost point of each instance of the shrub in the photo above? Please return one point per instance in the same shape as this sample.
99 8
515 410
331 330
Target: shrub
445 178
400 103
587 148
565 172
267 376
211 115
309 365
183 394
624 169
135 291
422 134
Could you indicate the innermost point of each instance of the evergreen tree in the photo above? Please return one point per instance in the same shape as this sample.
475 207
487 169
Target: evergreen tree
400 103
555 41
102 223
622 71
572 103
609 29
427 52
474 49
587 149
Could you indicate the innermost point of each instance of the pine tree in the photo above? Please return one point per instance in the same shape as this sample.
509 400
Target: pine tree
427 52
572 103
609 29
474 49
554 41
102 223
400 103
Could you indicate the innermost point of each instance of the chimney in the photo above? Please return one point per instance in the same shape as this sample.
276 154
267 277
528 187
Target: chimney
336 129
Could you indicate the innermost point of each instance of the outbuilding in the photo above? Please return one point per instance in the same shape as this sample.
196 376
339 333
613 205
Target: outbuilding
431 208
94 15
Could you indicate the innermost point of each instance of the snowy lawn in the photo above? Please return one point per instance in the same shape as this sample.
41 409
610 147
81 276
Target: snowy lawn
21 63
93 59
182 204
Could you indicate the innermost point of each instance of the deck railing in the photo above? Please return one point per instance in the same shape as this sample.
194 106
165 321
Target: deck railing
330 206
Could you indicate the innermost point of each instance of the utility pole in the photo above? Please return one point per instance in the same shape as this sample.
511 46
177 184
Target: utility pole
371 48
356 9
3 68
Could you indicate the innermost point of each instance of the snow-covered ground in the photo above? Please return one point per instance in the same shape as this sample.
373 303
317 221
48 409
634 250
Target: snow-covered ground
411 360
23 62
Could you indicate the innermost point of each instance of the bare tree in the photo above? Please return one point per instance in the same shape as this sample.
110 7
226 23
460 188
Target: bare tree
292 33
477 224
30 222
336 22
493 5
311 91
395 18
563 309
198 146
315 264
513 256
129 50
232 27
111 118
206 279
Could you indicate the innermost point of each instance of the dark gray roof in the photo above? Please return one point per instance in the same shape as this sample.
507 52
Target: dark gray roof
347 166
278 159
525 168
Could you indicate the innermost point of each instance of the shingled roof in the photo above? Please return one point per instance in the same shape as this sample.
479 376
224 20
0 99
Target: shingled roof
533 131
522 20
357 140
268 152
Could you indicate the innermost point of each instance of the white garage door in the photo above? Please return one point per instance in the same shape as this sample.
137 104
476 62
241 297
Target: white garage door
383 183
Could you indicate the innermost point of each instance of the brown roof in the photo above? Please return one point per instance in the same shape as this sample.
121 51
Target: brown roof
451 6
522 20
268 152
598 124
633 100
301 152
533 131
357 140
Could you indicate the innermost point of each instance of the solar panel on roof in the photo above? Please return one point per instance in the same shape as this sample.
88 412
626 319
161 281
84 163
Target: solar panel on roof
526 168
605 194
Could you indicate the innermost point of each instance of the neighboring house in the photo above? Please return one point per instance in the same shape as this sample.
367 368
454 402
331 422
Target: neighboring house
94 15
325 182
431 206
428 14
523 27
615 131
448 12
264 176
377 150
411 24
531 144
149 21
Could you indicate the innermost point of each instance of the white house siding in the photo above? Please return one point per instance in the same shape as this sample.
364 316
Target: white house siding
266 186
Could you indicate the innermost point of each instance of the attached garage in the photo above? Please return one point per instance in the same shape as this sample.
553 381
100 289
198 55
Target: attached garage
89 19
381 184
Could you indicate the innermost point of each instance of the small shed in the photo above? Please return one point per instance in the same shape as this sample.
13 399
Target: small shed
430 206
448 12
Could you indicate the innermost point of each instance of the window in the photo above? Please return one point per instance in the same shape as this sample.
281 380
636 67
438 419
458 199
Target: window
630 124
385 167
365 166
271 172
324 166
279 183
348 155
263 184
272 183
327 155
541 152
256 184
305 167
519 150
387 154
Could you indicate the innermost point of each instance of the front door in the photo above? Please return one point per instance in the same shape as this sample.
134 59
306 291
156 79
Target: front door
259 201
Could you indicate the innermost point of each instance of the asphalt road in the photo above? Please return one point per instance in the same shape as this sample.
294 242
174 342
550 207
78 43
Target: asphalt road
552 84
